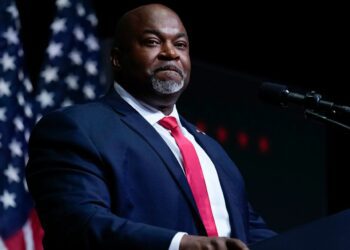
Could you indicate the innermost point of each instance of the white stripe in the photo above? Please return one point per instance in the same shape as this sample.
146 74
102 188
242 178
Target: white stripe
2 245
28 235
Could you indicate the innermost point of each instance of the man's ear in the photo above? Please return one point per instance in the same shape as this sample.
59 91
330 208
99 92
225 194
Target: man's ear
115 56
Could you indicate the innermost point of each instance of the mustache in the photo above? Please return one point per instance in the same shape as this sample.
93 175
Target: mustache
170 67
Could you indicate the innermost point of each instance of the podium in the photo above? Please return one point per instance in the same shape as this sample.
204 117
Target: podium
329 233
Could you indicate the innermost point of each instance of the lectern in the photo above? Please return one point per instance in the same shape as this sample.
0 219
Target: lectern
329 233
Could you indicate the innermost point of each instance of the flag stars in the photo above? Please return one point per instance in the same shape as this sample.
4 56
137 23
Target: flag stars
47 95
38 117
59 25
92 19
20 99
26 137
26 158
61 4
12 174
28 85
45 99
8 199
72 82
15 148
8 62
80 10
25 185
79 33
28 111
11 36
4 88
54 50
3 114
91 67
13 11
92 43
75 57
20 52
20 75
50 74
18 122
66 103
89 92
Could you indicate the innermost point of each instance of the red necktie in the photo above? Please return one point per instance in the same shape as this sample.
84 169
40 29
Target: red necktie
193 173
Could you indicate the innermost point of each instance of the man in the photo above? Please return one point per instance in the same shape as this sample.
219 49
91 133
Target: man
118 173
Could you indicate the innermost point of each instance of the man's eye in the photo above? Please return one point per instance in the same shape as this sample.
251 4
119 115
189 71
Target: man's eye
151 42
181 45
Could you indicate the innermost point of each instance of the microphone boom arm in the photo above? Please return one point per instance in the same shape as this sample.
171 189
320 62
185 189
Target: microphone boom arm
312 102
320 117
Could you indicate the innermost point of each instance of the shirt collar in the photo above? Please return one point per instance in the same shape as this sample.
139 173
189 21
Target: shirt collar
151 114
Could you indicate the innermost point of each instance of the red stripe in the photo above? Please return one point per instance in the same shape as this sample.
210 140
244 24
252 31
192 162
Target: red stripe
17 242
38 232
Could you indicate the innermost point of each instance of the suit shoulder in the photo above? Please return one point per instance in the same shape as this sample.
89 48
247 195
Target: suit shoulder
84 109
195 130
80 113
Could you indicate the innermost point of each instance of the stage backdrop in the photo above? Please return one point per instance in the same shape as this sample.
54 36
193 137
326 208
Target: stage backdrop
280 154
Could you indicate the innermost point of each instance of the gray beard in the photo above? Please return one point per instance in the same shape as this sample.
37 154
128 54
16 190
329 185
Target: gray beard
166 87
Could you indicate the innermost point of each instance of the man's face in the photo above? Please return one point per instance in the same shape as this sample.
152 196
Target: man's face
154 58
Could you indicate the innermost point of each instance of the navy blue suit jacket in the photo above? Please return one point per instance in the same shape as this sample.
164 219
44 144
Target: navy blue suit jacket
103 178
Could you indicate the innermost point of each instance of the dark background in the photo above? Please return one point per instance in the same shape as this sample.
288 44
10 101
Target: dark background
304 46
294 44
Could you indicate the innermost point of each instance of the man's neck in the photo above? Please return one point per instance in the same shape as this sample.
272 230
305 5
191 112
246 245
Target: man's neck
150 103
163 103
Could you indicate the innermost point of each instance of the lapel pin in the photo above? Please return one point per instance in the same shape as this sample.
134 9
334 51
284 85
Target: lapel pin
198 131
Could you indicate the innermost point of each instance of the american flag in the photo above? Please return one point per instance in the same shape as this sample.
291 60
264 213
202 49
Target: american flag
70 74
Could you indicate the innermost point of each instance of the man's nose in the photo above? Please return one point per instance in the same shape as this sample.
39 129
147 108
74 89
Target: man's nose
168 52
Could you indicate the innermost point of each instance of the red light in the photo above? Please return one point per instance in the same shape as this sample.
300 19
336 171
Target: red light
222 134
264 144
201 126
242 139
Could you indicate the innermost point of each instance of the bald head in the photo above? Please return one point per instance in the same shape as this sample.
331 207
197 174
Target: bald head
141 15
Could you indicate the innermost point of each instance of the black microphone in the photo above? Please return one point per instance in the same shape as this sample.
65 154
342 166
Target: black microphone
279 94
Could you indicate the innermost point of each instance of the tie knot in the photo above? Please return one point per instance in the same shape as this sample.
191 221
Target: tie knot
169 122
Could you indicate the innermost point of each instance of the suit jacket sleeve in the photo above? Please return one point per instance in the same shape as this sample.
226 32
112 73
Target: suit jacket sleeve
69 183
258 229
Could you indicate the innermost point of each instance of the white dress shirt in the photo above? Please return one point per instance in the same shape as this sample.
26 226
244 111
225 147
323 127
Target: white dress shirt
216 197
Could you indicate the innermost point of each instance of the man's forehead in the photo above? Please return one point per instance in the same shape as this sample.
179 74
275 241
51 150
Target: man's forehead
166 31
154 18
164 17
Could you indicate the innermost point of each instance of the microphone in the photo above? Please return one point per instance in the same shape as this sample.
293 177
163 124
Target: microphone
279 94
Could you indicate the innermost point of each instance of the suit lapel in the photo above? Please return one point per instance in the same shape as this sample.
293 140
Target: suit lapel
212 151
230 185
228 178
140 126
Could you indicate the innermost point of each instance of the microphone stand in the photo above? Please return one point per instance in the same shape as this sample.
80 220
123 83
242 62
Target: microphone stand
314 100
313 104
321 117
